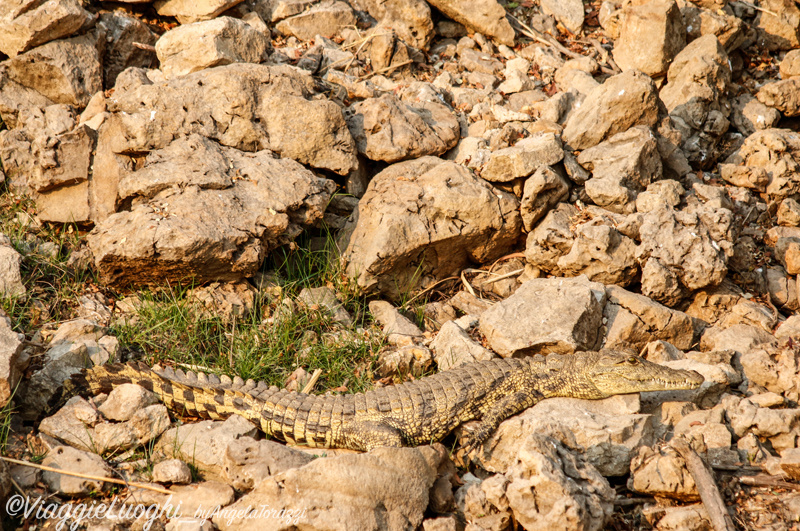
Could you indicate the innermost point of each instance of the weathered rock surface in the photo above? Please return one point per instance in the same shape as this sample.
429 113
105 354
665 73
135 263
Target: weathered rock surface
253 202
623 101
384 489
650 36
561 315
408 216
777 152
24 26
10 350
72 460
10 278
224 40
453 346
524 158
485 16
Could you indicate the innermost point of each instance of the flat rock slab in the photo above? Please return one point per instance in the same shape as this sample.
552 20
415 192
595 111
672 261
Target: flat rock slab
561 315
483 16
48 21
251 203
385 489
425 219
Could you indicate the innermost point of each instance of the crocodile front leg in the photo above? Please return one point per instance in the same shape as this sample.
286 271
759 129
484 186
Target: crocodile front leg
509 405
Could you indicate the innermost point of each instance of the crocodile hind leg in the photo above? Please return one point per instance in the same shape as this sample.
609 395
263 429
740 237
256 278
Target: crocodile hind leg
506 407
365 435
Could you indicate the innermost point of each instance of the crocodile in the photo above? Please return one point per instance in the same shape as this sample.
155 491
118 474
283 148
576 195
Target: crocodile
410 414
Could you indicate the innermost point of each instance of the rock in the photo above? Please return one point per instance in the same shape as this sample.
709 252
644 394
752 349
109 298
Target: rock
600 252
10 277
125 400
411 20
453 346
777 151
204 443
122 31
745 176
623 101
224 40
778 26
749 115
230 301
384 489
662 472
482 16
681 243
188 11
172 471
524 158
325 18
30 25
677 518
73 424
790 462
567 12
265 205
202 499
469 304
622 166
740 338
542 191
607 433
247 462
790 64
10 351
516 75
789 328
650 36
561 315
720 22
266 107
789 213
778 425
442 523
16 98
543 484
64 71
324 299
781 95
390 130
552 238
694 96
782 289
772 369
144 426
72 460
392 230
406 359
635 320
392 321
719 377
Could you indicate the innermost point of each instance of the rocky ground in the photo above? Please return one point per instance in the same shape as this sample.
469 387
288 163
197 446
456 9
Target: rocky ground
333 195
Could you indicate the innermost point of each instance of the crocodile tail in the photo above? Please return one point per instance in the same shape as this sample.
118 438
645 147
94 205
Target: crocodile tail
208 402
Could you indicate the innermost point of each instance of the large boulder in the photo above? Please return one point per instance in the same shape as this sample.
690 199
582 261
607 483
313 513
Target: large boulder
423 220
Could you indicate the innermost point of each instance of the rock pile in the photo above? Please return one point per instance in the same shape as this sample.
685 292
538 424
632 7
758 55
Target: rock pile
636 187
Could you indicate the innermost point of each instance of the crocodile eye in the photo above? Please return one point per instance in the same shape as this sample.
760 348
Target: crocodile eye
633 361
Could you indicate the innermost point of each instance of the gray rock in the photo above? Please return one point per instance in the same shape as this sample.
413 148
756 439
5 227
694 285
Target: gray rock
265 205
453 347
542 191
200 499
73 424
388 129
60 362
482 16
204 443
10 277
64 71
393 229
326 18
561 315
600 252
384 489
324 299
144 426
72 460
392 321
123 30
662 472
224 40
749 115
524 158
268 107
635 320
695 97
172 471
248 462
10 351
188 11
14 99
621 167
650 36
229 301
623 101
681 242
25 25
125 400
543 484
568 12
410 19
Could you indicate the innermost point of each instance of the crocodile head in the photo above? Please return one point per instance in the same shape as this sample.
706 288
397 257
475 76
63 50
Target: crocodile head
608 372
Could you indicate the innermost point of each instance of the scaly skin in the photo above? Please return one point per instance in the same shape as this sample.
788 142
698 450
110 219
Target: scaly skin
414 413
